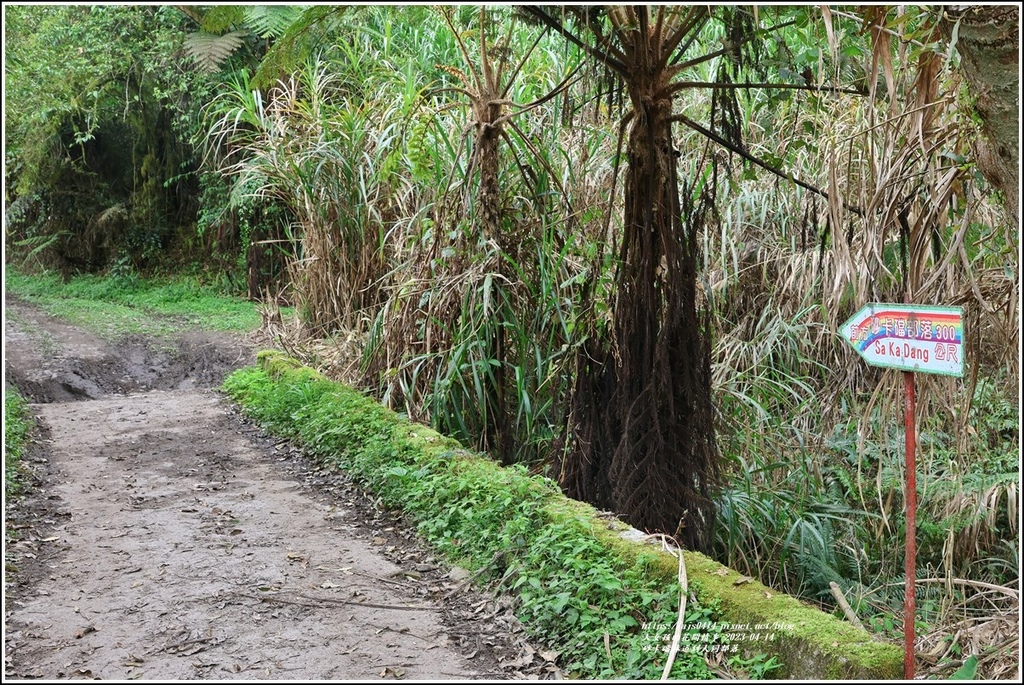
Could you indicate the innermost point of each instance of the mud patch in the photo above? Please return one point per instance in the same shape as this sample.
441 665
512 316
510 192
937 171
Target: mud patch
50 361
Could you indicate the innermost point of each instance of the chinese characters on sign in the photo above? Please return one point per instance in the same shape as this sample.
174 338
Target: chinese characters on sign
920 338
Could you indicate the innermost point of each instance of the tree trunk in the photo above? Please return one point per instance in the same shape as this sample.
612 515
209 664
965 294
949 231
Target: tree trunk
988 42
642 416
498 433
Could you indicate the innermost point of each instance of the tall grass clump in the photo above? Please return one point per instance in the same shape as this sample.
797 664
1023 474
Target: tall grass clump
456 213
480 314
326 154
815 436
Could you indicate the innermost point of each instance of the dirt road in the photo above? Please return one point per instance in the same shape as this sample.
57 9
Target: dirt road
168 539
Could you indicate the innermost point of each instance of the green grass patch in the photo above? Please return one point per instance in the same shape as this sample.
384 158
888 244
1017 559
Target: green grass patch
17 423
114 307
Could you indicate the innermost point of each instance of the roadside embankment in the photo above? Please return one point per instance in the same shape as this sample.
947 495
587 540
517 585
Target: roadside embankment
581 582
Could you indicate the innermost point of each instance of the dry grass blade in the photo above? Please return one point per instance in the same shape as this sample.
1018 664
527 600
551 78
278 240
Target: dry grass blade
684 590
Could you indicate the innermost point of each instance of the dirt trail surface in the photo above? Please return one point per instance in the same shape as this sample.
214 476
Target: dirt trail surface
168 539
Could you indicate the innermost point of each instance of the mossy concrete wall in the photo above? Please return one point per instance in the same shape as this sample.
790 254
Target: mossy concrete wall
811 644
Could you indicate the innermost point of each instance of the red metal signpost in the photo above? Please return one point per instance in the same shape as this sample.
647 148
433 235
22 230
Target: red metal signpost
910 338
910 572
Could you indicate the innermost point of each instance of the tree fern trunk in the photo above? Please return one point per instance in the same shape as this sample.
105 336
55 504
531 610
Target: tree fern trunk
643 417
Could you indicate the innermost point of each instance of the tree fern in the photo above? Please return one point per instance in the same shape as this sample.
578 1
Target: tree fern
210 51
297 41
211 47
219 19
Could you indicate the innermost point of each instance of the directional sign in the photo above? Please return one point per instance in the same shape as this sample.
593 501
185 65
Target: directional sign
910 337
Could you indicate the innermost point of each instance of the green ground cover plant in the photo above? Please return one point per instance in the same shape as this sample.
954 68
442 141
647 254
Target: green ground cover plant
571 593
118 306
604 604
17 423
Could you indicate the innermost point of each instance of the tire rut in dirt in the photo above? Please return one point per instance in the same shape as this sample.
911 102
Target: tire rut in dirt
133 364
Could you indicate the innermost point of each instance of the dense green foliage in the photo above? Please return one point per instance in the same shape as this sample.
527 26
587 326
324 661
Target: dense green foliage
439 191
99 117
17 423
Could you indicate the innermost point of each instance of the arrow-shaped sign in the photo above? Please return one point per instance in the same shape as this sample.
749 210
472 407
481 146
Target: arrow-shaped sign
910 337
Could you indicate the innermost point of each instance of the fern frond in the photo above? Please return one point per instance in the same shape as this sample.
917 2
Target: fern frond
297 42
210 51
271 21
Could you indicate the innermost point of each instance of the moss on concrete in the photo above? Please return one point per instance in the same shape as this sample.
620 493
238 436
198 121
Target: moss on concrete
277 365
811 644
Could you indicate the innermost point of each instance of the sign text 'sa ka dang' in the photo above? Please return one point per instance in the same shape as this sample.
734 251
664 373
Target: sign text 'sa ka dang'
910 337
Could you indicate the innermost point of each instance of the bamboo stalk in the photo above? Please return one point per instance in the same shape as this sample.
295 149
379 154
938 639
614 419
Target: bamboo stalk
851 616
